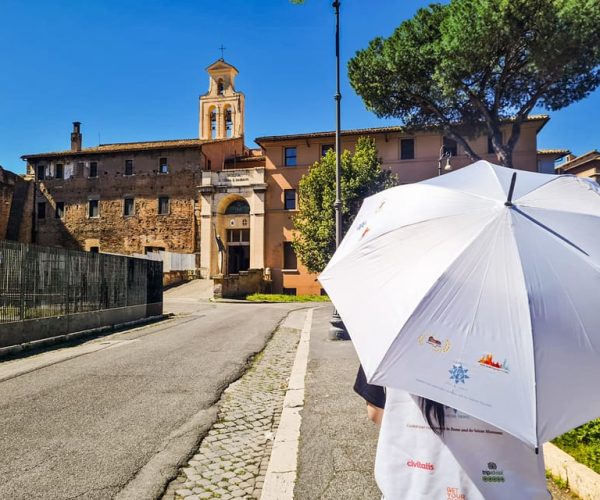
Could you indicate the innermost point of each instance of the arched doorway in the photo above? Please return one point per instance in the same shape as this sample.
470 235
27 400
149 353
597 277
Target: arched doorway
238 236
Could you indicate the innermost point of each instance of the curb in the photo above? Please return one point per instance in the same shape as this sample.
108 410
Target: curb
581 480
283 463
59 339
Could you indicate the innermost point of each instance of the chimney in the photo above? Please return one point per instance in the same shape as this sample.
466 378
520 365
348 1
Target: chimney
76 137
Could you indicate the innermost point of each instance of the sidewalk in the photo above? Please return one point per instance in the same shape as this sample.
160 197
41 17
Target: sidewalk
291 427
337 443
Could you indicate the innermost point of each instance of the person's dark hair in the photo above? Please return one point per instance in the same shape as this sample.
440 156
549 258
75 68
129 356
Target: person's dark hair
434 412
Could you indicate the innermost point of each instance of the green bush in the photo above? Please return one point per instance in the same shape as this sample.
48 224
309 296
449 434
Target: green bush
583 444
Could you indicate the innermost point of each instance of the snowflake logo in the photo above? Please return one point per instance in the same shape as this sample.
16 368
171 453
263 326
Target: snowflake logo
458 373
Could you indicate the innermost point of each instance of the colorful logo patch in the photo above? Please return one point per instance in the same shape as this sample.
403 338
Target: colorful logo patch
492 474
436 345
459 373
487 360
362 225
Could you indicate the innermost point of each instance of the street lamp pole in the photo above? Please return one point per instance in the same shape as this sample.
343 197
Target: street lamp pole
337 330
338 97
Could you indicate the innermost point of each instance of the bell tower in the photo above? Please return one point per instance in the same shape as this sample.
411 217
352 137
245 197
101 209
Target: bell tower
221 108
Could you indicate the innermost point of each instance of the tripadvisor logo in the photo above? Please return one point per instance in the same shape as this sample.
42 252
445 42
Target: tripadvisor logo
492 474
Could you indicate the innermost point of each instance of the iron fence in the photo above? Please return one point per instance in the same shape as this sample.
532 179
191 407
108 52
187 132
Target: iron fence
40 282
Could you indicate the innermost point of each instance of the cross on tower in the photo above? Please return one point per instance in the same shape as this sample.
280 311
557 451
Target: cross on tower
221 48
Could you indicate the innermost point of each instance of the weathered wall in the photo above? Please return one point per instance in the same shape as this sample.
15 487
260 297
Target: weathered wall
239 285
112 230
34 330
7 187
16 207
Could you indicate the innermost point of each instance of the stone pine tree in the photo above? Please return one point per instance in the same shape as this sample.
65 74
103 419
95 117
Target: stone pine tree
479 63
362 176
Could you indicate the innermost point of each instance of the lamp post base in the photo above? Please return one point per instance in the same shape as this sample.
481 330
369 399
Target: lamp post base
337 329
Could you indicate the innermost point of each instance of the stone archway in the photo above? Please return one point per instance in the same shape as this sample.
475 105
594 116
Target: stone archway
235 224
218 191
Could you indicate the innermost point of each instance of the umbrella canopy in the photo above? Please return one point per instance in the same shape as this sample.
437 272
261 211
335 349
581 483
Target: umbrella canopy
491 307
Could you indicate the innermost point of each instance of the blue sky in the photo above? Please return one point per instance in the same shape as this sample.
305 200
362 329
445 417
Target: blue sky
133 70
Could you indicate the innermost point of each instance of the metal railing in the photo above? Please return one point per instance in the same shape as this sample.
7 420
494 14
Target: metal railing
40 282
173 261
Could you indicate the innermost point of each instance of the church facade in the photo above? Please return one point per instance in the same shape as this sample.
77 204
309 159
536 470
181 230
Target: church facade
212 196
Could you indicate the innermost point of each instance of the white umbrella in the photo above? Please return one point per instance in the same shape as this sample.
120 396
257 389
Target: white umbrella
492 307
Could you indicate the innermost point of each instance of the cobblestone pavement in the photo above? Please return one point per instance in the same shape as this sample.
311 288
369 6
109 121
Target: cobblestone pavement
233 457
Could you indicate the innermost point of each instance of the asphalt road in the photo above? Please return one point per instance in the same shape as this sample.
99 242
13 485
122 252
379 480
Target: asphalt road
114 417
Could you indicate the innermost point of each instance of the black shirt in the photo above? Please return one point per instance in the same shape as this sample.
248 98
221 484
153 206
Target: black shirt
373 394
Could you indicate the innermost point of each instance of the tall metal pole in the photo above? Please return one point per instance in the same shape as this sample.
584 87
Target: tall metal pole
337 330
338 98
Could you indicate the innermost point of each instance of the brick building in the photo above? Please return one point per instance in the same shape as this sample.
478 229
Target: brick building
16 207
213 193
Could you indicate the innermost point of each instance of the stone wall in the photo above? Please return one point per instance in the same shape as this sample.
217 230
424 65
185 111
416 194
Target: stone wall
16 207
239 285
7 187
112 231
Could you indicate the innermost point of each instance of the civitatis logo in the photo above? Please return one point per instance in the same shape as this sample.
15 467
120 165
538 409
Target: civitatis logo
459 373
487 360
420 465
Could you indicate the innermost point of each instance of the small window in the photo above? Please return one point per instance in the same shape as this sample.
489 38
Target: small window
407 149
237 207
289 256
93 209
163 166
41 210
325 148
450 146
208 165
289 202
289 291
93 169
290 157
238 235
163 205
60 171
128 207
80 166
490 146
148 250
60 210
220 87
95 249
41 172
128 167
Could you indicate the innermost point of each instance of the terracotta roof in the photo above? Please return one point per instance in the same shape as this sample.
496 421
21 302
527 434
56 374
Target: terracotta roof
561 152
580 160
374 130
242 159
128 146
